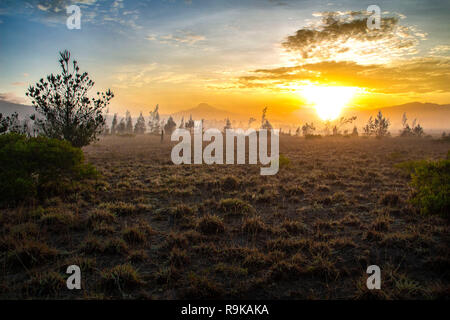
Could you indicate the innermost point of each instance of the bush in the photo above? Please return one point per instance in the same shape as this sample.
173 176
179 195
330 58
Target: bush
38 166
431 181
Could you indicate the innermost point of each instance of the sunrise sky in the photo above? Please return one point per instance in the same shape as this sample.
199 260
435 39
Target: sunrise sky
234 55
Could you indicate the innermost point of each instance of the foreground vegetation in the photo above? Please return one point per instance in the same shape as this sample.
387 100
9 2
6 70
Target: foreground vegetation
145 228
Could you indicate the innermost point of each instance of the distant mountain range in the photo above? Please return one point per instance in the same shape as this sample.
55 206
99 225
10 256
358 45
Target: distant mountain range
7 108
429 115
205 111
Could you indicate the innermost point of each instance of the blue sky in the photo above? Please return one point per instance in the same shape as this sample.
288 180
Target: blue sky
179 53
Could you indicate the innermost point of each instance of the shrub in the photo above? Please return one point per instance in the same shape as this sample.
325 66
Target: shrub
253 225
235 206
45 284
37 166
120 277
284 161
211 224
431 181
230 183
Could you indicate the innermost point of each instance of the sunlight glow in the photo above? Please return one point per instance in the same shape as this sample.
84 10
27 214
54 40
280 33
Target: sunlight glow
328 100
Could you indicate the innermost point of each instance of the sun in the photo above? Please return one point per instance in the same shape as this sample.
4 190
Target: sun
328 100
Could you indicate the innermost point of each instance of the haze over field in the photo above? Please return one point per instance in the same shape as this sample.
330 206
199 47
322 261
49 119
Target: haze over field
434 117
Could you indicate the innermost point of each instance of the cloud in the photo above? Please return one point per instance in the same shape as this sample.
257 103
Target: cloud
419 75
12 97
58 6
42 7
343 36
180 37
18 84
53 12
440 50
340 50
138 76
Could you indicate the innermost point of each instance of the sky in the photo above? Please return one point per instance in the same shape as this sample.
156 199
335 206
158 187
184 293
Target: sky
235 55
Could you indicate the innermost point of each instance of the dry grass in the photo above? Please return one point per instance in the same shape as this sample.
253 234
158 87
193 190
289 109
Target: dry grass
150 228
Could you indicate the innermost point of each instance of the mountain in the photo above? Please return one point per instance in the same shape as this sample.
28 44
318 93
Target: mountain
429 115
205 111
7 108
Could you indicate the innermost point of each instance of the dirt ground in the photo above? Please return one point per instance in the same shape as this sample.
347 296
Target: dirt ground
154 230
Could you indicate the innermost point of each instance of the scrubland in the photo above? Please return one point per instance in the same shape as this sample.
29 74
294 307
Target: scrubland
149 229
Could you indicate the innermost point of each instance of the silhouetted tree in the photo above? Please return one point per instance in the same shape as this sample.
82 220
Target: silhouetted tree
378 127
13 124
181 123
140 127
122 127
68 113
381 125
190 124
128 122
265 124
308 128
154 122
170 126
414 130
227 125
114 124
250 121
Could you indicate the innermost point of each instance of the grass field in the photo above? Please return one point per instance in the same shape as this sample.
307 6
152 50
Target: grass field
150 229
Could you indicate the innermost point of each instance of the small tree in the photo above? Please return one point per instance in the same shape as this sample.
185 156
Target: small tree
129 123
181 123
13 124
154 122
414 130
170 126
140 127
190 124
68 113
381 125
227 125
355 131
250 121
106 130
378 127
418 130
308 128
121 128
114 124
368 127
265 124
